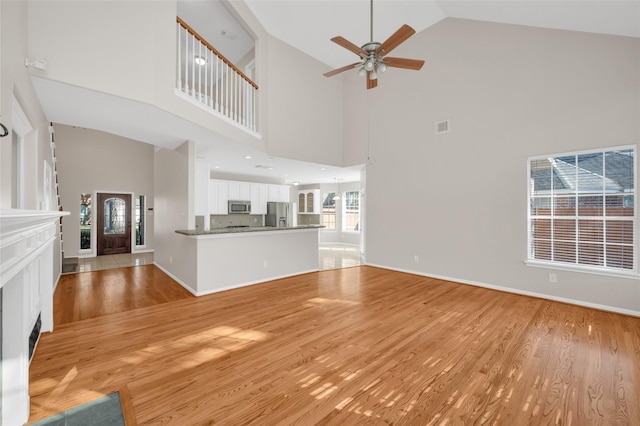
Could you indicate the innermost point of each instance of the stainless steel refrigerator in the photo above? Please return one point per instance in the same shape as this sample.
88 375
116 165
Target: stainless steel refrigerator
279 214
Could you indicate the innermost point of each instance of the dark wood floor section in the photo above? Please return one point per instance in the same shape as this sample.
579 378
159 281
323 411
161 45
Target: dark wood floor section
352 346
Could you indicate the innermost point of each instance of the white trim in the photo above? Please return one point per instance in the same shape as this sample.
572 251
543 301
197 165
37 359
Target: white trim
20 123
515 291
218 114
231 287
176 279
609 272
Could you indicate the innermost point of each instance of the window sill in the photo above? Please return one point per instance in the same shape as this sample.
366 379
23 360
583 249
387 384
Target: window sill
583 269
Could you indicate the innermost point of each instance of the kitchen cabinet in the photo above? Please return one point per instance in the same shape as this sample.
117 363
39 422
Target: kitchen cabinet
309 201
278 193
221 191
218 196
239 190
259 198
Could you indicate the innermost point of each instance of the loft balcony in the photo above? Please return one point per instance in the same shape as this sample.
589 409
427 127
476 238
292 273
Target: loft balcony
207 78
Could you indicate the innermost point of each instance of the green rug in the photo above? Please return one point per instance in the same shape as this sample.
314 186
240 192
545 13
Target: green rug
105 411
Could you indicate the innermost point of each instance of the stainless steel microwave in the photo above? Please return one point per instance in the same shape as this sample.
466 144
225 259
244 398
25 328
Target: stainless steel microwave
239 206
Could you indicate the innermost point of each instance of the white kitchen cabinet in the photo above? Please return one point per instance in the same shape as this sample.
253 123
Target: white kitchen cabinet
259 198
201 188
218 196
309 201
278 193
239 190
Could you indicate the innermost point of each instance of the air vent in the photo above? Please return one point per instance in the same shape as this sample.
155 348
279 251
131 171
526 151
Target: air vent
442 127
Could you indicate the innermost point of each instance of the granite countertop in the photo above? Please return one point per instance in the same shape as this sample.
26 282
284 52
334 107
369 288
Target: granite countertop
215 231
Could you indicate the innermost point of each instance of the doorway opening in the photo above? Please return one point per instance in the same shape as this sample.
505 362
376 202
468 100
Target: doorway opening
114 223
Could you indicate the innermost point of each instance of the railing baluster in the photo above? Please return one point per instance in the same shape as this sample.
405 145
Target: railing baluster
179 81
234 95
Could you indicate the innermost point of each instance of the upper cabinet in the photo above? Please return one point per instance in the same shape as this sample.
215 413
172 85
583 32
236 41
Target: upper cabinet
309 201
278 193
221 191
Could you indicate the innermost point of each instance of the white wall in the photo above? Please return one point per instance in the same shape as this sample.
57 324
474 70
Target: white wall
15 83
304 108
459 200
123 48
175 253
91 160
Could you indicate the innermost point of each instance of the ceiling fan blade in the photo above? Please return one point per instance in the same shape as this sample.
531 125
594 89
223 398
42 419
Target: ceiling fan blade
371 83
339 70
347 45
396 38
410 64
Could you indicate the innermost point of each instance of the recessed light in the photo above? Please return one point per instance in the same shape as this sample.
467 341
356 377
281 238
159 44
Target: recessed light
322 169
199 60
216 167
296 183
248 157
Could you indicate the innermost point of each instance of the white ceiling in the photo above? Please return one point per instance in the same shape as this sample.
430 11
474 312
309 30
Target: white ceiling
308 25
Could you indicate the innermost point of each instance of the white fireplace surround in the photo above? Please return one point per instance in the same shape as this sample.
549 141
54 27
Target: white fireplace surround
27 282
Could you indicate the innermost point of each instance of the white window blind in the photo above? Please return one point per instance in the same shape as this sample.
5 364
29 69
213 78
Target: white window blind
582 209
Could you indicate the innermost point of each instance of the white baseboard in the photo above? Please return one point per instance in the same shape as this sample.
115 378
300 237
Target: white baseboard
217 290
262 281
515 291
176 279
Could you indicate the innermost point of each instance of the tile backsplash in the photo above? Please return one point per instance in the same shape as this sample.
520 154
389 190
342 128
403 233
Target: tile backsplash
308 219
224 220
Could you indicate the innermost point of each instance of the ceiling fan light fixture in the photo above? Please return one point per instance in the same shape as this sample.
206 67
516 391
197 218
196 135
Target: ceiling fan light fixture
362 72
382 67
368 65
373 75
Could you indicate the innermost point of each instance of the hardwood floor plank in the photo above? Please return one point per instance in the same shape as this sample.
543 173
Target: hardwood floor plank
356 346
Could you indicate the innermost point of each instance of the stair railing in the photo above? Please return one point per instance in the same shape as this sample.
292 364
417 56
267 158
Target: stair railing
213 81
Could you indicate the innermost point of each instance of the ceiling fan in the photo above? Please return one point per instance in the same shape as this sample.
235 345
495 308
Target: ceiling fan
373 57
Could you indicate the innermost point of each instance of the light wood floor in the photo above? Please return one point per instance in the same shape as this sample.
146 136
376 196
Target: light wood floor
352 346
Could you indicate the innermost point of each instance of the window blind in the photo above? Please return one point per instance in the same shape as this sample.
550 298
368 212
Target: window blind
582 209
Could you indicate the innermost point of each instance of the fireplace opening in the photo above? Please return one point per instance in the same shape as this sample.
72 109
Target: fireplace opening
34 336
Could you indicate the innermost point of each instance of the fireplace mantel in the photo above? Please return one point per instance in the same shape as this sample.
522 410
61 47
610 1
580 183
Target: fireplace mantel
26 282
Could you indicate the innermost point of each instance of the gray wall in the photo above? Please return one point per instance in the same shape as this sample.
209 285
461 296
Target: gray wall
91 161
174 201
459 200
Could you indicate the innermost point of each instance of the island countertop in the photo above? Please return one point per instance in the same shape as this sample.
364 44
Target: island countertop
217 231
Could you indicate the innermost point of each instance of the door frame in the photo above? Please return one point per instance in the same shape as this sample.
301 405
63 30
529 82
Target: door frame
94 220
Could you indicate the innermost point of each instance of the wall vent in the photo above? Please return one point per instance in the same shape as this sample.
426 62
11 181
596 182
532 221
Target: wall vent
442 127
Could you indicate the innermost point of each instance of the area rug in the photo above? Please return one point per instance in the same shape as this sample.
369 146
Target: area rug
105 411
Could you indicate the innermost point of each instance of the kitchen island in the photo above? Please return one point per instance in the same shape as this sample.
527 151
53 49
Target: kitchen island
227 258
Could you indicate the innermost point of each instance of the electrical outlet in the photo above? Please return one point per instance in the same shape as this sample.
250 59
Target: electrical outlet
266 264
416 258
170 259
553 278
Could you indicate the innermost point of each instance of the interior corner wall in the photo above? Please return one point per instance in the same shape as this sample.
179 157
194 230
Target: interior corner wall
174 253
458 200
304 108
89 161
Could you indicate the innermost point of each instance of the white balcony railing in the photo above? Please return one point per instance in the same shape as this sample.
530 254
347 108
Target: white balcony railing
214 82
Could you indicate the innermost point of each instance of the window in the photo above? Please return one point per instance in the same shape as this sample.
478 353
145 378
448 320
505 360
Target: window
582 210
85 221
351 212
140 220
329 211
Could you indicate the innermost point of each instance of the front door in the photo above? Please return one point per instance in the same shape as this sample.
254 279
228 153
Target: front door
114 223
